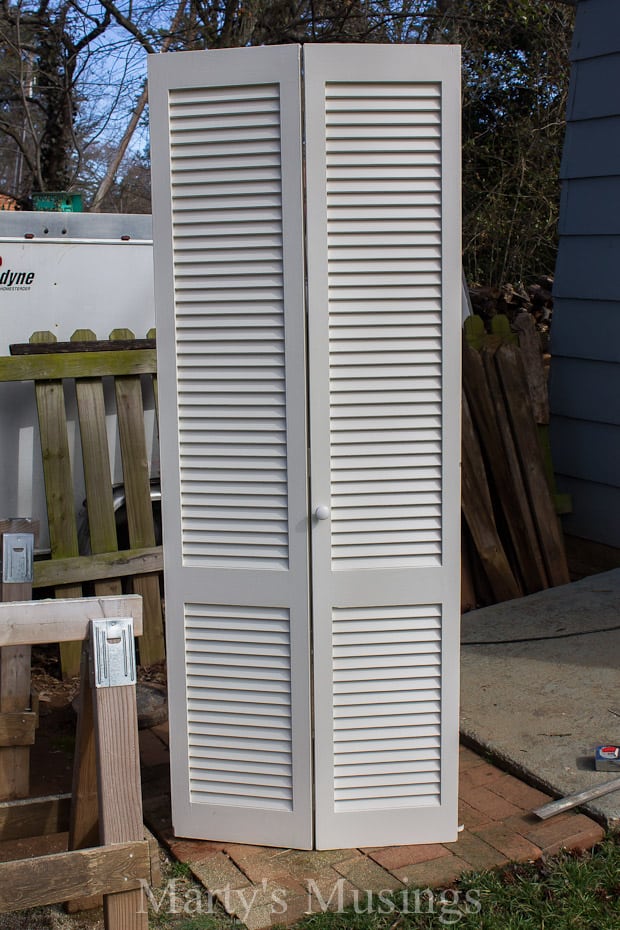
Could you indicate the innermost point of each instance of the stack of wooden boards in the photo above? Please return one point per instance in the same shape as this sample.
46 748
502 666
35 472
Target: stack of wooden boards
512 540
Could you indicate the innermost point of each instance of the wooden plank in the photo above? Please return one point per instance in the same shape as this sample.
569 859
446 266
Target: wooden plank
130 414
97 471
26 883
17 729
57 621
156 871
120 798
474 331
95 567
34 817
512 378
478 512
81 345
84 822
531 354
522 522
78 365
563 503
152 335
58 491
489 416
15 678
468 591
482 588
501 329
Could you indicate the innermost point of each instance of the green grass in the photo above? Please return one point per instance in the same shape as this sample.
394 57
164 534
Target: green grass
567 892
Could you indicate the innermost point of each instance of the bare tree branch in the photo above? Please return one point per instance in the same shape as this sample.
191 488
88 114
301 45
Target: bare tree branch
130 26
114 165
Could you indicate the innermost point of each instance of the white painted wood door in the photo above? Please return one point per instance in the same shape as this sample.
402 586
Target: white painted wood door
227 178
384 307
382 383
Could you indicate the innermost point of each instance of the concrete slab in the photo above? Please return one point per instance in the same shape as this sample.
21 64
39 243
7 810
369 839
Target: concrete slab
540 685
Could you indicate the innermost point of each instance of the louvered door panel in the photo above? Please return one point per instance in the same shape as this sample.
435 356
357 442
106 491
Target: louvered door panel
239 706
390 300
381 721
384 311
230 325
379 257
232 401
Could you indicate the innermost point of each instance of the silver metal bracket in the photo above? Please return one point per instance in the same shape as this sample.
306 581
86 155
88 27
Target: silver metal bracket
113 652
17 558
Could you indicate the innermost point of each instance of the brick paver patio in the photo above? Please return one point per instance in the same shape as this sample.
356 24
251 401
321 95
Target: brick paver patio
264 886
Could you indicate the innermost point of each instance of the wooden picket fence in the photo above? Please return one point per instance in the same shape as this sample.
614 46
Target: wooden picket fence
80 366
513 543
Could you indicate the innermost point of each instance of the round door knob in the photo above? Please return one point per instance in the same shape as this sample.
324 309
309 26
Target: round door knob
321 512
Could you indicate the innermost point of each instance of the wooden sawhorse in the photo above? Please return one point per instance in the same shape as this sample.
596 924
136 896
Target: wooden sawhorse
106 802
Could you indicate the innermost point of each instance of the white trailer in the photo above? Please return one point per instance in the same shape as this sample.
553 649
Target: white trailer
61 272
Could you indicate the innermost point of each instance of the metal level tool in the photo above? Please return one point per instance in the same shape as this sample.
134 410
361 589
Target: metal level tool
574 800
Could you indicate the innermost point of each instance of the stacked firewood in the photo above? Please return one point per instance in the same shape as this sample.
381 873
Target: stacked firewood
510 300
512 540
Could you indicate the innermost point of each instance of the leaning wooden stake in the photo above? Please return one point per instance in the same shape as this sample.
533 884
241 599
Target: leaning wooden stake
84 818
118 784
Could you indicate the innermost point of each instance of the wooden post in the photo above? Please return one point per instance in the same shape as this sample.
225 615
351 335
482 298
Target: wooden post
130 413
15 680
50 399
97 471
120 798
84 819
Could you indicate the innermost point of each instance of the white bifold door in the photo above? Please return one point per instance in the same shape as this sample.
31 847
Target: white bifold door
307 262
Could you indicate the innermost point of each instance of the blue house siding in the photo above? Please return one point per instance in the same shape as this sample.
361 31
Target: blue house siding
589 207
598 507
575 439
579 385
602 344
588 267
598 28
585 367
592 148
